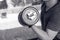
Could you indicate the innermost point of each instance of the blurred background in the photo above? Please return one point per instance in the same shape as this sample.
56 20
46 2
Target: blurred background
11 28
10 9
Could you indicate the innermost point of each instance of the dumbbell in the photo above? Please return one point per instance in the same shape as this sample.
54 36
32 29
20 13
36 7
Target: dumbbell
29 16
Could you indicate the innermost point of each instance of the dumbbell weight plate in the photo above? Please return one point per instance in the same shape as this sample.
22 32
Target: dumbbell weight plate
30 15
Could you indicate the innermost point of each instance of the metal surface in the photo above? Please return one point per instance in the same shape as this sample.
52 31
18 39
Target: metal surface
29 16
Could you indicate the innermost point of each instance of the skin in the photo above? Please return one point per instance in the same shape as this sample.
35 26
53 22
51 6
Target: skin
50 3
49 34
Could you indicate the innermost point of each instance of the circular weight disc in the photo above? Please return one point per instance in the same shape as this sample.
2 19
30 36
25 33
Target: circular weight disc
20 19
30 15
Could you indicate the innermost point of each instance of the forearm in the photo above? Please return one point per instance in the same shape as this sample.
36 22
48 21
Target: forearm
42 34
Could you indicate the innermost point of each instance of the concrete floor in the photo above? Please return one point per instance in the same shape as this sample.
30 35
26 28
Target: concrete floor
21 33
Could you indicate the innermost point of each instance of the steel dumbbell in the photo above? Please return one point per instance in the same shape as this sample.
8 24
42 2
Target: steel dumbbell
29 16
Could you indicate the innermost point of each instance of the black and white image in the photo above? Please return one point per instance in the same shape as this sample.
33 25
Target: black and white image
29 19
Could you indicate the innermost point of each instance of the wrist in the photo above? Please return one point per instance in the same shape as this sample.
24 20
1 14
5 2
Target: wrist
39 27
